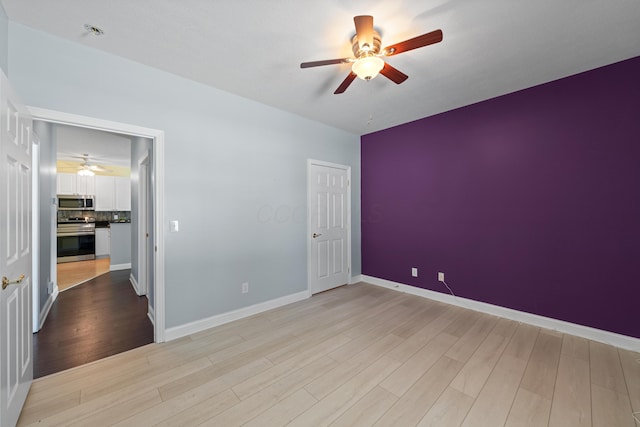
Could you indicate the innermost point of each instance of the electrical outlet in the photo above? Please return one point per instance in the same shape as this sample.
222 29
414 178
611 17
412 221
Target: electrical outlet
245 287
50 288
414 272
440 276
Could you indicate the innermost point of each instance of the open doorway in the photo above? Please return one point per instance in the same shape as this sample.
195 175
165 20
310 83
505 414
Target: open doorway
146 176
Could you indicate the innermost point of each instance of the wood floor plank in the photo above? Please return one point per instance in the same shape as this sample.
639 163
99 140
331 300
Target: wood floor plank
450 409
422 395
339 401
367 410
472 338
197 414
571 406
529 409
493 404
359 355
631 369
475 372
610 408
271 375
540 375
606 370
418 364
343 372
284 411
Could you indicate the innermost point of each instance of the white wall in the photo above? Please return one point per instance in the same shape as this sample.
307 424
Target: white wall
231 165
47 185
4 41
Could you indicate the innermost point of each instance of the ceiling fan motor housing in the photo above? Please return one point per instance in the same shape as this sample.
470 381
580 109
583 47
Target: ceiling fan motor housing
366 50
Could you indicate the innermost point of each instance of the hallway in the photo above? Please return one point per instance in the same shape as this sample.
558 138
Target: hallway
88 322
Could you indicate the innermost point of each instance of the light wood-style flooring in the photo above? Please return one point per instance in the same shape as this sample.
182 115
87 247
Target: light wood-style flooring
71 274
359 355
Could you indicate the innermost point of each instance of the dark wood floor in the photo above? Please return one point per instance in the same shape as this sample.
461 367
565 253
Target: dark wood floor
99 318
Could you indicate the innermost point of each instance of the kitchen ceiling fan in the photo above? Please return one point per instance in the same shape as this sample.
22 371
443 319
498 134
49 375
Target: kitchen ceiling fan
87 167
367 61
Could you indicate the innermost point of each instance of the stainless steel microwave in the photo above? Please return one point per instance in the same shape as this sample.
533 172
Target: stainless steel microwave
67 202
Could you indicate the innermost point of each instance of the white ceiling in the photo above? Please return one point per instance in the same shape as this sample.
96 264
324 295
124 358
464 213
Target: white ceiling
254 48
103 148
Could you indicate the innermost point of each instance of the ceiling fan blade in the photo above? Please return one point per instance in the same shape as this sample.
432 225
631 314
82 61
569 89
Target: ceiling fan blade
414 43
393 74
345 84
364 30
325 62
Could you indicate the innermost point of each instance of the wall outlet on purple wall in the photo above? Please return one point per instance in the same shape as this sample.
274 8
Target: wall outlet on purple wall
440 276
414 272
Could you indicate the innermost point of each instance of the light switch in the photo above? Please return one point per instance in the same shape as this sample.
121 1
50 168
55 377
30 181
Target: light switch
173 226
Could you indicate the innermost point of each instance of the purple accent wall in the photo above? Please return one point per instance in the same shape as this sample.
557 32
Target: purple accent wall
529 201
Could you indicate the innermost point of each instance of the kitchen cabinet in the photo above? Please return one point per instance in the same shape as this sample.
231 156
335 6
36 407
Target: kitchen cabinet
105 193
113 193
86 185
71 183
103 242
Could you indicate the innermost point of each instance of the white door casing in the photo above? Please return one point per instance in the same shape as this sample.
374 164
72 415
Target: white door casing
16 346
143 226
157 136
329 225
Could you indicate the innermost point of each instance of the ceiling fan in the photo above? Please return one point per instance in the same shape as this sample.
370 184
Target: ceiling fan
87 168
367 61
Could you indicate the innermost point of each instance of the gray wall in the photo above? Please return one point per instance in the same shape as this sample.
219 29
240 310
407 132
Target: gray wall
227 159
47 182
139 149
120 243
4 41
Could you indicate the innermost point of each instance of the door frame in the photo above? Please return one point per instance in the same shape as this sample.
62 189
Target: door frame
347 168
143 188
157 136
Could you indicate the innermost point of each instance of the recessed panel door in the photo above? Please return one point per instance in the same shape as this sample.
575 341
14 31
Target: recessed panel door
16 358
329 227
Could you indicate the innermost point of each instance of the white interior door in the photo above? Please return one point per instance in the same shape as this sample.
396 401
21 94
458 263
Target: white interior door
16 361
329 226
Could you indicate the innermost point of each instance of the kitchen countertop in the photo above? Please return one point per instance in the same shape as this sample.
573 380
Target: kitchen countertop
107 224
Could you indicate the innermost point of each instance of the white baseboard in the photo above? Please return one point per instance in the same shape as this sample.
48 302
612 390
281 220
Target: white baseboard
134 283
47 306
151 315
115 267
611 338
356 279
241 313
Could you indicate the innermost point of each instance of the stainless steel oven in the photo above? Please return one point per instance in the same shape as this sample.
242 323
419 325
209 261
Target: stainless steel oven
76 240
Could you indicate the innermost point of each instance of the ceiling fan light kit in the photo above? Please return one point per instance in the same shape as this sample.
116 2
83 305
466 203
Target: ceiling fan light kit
368 67
367 62
86 172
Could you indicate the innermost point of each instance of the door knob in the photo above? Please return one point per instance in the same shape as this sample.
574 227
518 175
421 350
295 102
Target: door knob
316 235
6 282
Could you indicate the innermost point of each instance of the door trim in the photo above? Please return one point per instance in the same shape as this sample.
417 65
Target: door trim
143 188
157 136
346 168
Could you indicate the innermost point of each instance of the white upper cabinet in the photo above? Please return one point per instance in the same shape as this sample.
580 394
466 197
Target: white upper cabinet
113 193
67 183
86 185
105 193
71 183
